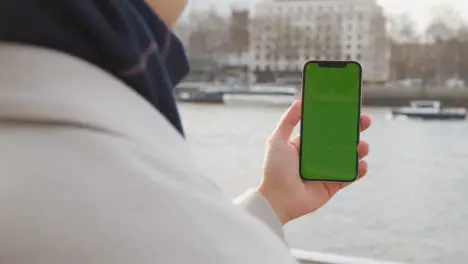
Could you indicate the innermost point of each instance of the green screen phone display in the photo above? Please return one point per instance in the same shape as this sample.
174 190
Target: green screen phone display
330 121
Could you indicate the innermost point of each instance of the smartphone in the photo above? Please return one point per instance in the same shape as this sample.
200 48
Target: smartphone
330 127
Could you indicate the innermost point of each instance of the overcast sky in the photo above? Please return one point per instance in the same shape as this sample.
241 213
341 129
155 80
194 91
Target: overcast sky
420 10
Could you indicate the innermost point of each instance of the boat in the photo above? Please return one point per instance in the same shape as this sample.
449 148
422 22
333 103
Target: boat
262 95
200 92
207 92
430 110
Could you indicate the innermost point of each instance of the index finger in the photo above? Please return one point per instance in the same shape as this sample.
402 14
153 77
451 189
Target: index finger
365 122
288 122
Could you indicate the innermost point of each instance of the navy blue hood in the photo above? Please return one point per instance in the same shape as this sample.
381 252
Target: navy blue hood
123 37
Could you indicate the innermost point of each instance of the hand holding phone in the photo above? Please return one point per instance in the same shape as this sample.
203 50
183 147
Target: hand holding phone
330 123
290 196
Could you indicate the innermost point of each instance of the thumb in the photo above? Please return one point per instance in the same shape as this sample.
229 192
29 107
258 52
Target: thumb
288 122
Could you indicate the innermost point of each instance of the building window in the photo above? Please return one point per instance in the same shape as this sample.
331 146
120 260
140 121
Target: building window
359 56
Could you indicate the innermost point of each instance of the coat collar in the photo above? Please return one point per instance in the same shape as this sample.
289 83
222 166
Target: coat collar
49 87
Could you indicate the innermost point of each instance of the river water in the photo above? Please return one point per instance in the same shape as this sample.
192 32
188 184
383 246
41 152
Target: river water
412 206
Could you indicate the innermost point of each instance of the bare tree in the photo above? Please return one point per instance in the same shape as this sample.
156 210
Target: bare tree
462 37
402 29
405 47
209 36
443 31
441 53
239 34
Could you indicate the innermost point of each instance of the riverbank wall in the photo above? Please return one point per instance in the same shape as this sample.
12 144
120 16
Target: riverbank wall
380 96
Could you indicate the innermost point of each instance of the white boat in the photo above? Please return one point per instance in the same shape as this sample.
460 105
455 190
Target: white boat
200 92
262 95
430 109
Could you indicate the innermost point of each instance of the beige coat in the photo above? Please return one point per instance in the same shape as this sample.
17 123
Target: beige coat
92 173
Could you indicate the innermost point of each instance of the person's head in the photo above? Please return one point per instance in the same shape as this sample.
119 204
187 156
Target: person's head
168 10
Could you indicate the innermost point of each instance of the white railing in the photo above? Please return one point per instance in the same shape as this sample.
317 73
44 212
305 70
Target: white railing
307 257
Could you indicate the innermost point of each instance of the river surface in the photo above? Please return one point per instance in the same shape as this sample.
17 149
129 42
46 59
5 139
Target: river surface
412 206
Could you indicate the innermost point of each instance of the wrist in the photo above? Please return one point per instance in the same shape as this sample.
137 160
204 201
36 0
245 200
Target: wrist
277 208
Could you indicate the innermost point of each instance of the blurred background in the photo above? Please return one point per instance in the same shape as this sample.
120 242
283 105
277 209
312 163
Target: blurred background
247 58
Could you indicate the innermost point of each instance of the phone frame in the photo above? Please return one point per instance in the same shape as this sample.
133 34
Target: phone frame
333 64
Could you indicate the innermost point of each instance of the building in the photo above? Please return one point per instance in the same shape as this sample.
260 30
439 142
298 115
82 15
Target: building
217 45
287 33
239 34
